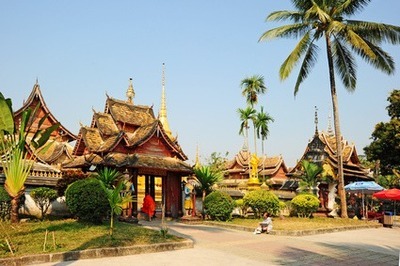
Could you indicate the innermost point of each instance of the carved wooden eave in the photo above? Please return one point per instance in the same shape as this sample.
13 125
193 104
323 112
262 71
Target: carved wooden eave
36 98
116 159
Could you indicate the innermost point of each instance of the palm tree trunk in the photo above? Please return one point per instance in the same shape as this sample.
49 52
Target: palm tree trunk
112 223
335 106
255 139
14 210
202 204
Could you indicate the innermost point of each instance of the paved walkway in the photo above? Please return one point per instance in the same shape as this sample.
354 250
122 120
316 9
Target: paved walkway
221 246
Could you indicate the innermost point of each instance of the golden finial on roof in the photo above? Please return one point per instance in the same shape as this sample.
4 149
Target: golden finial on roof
130 93
162 115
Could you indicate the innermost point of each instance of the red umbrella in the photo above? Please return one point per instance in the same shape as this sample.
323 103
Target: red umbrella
389 194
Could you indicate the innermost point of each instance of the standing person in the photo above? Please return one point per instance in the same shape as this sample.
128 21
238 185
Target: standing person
149 206
264 226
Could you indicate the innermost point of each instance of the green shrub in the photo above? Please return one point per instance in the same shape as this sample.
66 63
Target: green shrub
87 200
305 204
43 196
5 204
219 206
262 201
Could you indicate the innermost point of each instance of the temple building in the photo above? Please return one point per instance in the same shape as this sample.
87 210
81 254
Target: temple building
272 170
129 138
322 150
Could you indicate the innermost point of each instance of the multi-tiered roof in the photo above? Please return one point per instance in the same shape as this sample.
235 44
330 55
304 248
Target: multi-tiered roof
126 135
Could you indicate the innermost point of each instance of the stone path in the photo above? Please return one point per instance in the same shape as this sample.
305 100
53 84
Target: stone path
221 246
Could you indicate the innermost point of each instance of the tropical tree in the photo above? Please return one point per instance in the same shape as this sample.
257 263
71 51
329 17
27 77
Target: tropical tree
206 179
314 20
14 144
43 196
309 178
115 196
245 115
252 87
262 119
385 145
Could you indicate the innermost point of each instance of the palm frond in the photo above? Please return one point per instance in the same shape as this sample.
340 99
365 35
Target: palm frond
344 64
288 31
293 58
376 32
316 13
350 7
294 16
310 58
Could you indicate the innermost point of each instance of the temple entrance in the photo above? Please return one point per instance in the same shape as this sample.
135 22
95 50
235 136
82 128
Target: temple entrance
152 185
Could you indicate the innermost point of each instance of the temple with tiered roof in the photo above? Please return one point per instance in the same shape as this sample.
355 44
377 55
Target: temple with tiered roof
130 138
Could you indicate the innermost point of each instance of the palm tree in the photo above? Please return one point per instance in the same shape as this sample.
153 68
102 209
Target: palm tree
206 179
252 87
246 115
327 20
309 178
13 149
262 120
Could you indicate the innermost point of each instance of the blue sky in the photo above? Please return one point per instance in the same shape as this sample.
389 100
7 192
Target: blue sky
81 50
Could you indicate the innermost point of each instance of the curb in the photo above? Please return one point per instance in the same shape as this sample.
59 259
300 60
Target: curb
298 232
95 253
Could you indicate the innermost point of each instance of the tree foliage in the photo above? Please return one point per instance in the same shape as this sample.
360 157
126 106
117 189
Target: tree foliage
262 201
385 145
219 206
304 205
309 178
43 196
87 200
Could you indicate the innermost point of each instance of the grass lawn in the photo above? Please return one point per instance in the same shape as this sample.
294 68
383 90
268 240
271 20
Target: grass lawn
28 237
294 223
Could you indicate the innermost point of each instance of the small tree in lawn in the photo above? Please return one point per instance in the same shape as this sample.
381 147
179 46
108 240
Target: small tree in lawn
43 197
206 179
108 177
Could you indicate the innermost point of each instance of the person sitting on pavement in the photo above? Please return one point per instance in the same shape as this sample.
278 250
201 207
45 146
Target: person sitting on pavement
264 226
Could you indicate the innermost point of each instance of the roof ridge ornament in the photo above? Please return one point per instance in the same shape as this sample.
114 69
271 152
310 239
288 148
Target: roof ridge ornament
130 93
316 120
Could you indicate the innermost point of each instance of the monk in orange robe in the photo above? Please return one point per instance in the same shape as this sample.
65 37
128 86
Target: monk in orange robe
149 206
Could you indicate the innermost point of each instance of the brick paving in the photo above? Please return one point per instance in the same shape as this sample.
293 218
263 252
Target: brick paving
222 246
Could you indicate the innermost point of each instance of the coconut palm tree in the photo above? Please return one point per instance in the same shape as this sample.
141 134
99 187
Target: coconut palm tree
14 144
329 21
246 115
252 87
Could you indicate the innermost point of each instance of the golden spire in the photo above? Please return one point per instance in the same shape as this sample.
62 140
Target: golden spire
162 115
130 93
197 163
